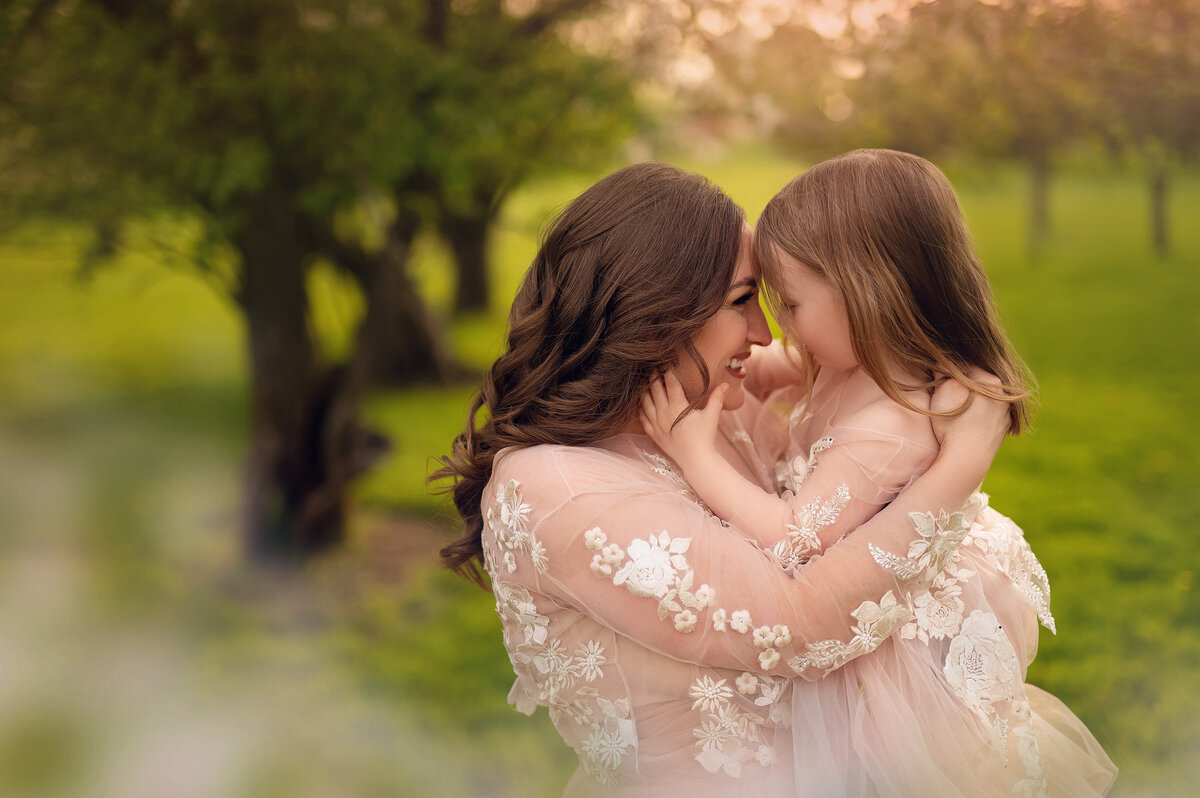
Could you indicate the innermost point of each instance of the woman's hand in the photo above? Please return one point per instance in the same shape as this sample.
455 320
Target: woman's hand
972 438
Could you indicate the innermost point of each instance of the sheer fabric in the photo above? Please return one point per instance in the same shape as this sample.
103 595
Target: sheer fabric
662 641
940 708
681 656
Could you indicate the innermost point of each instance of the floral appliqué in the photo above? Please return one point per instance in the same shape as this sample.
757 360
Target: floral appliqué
876 622
728 737
655 568
792 474
802 539
1004 546
549 674
508 519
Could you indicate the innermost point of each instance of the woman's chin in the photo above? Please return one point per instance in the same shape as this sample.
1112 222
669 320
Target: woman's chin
735 397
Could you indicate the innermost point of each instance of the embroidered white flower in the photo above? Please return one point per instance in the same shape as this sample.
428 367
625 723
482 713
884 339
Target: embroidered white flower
595 538
515 605
712 735
939 539
764 637
718 618
685 621
740 621
937 615
652 563
591 660
603 751
747 683
609 557
765 755
508 520
783 635
705 595
768 659
709 694
981 666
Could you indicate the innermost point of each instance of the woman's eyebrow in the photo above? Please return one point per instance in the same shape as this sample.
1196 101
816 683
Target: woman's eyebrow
745 282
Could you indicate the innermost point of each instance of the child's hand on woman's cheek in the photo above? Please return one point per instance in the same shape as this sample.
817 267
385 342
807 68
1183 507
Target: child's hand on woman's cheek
694 436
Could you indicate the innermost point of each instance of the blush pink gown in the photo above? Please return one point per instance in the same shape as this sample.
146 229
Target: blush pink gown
681 656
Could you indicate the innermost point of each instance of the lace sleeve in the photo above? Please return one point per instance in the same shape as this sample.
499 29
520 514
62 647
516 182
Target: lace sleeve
844 479
642 559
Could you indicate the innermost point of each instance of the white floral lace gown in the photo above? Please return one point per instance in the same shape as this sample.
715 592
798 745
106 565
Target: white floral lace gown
678 658
941 708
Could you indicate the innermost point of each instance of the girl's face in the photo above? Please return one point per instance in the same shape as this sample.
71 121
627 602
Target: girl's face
815 314
724 341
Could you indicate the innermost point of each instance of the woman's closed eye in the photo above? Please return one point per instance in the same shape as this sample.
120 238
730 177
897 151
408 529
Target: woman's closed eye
742 299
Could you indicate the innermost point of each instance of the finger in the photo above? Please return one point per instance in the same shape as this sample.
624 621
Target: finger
647 424
647 403
716 399
675 392
658 393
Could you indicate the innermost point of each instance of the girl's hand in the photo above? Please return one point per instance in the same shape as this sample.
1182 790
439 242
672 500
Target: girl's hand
693 439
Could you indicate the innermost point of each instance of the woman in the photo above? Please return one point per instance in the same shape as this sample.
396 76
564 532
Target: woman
661 640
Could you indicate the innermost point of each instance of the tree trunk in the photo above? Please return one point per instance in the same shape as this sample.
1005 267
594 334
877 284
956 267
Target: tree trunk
1039 200
1159 235
299 415
467 235
399 341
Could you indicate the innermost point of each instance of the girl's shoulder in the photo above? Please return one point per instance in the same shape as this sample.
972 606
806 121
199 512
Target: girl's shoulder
864 407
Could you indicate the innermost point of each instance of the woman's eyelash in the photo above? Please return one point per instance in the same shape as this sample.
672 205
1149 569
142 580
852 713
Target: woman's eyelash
743 299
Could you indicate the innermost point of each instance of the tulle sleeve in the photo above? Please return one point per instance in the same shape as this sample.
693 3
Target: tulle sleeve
847 475
631 551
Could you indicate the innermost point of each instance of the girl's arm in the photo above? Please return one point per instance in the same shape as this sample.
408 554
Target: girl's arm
691 442
852 471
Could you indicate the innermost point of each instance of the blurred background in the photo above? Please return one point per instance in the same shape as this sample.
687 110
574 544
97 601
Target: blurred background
254 255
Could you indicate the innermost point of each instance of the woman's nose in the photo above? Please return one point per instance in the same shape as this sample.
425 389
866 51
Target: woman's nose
758 331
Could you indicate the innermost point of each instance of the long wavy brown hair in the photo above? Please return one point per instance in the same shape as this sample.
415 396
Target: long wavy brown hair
885 228
623 281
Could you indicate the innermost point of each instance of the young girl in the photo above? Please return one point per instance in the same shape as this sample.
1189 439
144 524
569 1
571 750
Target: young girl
871 274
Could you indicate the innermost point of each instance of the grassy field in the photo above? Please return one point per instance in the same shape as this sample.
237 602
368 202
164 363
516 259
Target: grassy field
139 657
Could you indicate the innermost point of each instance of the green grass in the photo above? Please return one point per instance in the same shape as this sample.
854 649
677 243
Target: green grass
121 423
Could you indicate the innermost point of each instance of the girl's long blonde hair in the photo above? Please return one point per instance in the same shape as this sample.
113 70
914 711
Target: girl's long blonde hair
885 228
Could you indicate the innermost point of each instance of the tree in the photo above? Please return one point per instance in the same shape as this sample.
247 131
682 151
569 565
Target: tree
296 130
1003 79
1150 82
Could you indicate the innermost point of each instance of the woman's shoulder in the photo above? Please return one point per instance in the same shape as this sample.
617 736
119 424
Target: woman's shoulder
558 472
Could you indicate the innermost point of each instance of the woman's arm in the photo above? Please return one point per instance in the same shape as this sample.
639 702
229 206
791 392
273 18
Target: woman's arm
652 565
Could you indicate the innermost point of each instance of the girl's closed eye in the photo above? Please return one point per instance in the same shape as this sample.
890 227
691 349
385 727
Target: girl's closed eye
744 298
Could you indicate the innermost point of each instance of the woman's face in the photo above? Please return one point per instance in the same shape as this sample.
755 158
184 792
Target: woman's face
724 341
815 314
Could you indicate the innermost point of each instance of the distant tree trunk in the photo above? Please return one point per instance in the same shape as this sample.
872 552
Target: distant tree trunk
399 341
1159 234
1038 159
305 440
467 235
